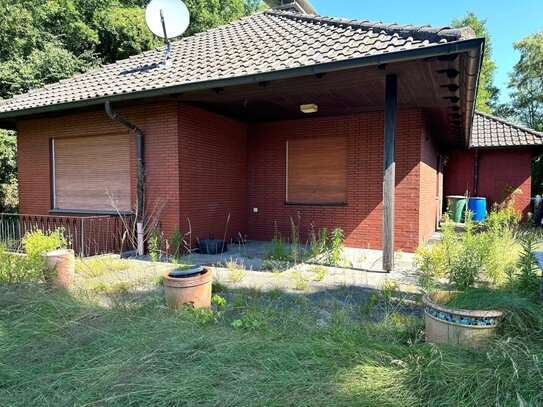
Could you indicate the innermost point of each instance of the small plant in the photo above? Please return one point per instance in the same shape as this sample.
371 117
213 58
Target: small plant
526 280
327 247
320 272
218 287
246 322
275 294
201 315
389 288
154 245
219 301
300 282
177 243
335 251
370 304
277 249
295 241
236 271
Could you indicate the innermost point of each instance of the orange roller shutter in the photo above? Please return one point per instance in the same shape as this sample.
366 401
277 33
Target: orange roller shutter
88 170
317 170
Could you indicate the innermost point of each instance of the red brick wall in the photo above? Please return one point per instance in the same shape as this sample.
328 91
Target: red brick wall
362 217
159 126
203 166
213 173
428 187
498 168
459 174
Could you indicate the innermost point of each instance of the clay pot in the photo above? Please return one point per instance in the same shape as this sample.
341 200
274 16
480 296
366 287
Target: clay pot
59 268
456 326
191 289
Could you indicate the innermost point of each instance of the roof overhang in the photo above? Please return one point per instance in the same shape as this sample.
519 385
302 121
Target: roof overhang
471 51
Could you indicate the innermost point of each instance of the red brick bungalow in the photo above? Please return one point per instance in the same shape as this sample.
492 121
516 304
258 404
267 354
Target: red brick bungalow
224 133
498 161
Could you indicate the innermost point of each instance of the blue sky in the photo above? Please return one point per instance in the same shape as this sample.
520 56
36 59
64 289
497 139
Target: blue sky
507 21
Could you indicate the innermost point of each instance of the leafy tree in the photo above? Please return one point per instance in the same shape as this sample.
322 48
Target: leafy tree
487 96
526 82
206 14
42 42
122 32
8 157
8 171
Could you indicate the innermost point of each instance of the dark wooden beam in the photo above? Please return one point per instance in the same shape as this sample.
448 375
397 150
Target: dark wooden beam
389 177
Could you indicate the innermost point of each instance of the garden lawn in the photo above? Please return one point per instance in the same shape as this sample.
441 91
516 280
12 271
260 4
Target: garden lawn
64 349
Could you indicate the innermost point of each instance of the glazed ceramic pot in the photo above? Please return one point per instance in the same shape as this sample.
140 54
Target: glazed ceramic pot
188 287
455 326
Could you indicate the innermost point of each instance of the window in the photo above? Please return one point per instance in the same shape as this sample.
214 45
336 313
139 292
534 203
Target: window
88 170
317 171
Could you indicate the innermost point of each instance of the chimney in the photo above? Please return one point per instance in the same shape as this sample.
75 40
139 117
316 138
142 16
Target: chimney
298 6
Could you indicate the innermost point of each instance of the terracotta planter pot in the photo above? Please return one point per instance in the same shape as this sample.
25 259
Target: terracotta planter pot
457 326
195 290
59 268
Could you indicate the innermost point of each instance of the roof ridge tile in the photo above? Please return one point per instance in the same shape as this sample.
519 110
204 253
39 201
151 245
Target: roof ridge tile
431 33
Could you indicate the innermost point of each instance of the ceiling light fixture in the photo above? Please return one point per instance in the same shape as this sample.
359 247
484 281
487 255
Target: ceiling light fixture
309 108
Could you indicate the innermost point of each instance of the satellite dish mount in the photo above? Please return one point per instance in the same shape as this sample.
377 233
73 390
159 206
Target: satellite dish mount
167 16
168 55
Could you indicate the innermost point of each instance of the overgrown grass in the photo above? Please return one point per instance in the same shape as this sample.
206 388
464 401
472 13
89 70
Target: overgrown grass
58 349
99 266
523 317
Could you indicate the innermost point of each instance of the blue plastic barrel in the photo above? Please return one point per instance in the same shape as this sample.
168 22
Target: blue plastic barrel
477 207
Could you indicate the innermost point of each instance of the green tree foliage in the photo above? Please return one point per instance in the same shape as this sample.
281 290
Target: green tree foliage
8 157
526 105
8 171
487 96
42 42
206 14
526 82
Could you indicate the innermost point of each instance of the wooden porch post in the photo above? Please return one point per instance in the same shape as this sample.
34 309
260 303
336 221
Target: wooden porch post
389 176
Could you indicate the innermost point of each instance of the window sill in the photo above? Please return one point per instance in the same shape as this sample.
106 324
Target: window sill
90 212
315 204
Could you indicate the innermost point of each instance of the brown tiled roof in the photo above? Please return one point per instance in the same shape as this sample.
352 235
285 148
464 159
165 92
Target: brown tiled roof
264 42
491 132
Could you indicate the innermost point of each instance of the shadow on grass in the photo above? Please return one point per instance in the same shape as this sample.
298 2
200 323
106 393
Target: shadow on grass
314 349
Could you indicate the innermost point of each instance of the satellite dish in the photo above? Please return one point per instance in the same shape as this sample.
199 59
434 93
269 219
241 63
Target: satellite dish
175 14
167 19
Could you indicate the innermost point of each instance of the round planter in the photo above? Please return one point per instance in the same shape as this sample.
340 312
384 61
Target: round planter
193 289
457 326
59 268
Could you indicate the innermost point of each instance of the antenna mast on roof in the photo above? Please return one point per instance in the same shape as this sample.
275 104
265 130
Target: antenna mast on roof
167 16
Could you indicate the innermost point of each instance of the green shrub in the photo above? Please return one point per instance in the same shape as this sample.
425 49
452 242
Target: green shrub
17 268
9 198
481 253
36 243
525 279
468 260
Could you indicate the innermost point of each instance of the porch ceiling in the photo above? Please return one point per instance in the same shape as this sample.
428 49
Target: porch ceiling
431 84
